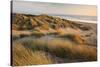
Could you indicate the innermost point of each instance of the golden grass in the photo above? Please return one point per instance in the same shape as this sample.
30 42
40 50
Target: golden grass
20 34
68 49
25 56
61 48
73 37
28 51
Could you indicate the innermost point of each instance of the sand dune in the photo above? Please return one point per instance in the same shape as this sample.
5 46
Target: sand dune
53 39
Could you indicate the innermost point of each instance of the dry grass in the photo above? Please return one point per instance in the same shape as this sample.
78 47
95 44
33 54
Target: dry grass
67 44
56 47
25 56
20 34
73 37
68 49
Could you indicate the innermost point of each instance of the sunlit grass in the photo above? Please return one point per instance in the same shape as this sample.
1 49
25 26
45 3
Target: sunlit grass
43 39
25 56
57 47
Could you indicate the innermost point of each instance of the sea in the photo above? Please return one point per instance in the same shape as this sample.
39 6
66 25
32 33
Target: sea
87 19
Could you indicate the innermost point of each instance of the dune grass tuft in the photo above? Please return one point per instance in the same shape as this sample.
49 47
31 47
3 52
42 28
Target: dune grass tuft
55 47
24 56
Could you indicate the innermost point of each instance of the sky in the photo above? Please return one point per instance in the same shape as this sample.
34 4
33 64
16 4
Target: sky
53 8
